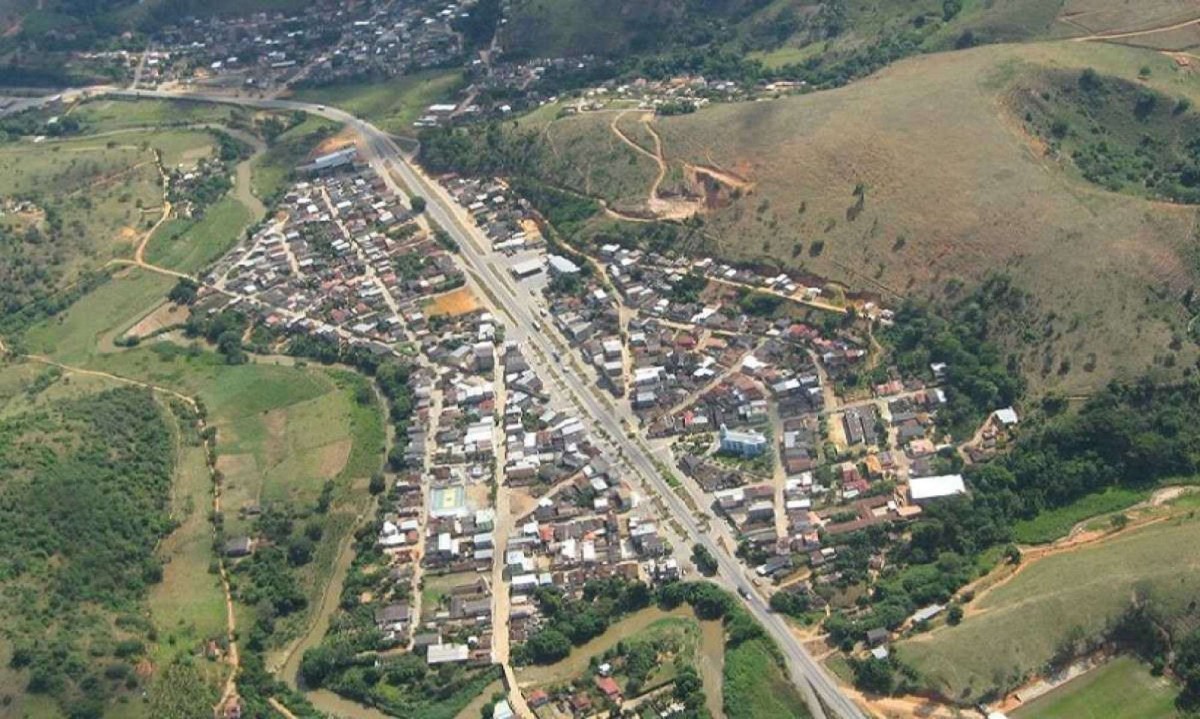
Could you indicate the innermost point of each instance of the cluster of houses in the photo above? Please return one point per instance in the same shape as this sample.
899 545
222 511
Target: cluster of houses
507 220
346 259
321 43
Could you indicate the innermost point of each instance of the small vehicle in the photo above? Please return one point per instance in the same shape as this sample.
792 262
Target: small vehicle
742 591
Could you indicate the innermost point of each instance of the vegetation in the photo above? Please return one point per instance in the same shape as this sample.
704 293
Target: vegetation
86 485
1119 134
392 104
1061 606
978 378
573 623
1121 689
1055 523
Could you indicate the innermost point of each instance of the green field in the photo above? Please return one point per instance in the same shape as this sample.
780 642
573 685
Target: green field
89 327
108 114
756 685
1015 628
1121 689
1055 523
189 245
392 105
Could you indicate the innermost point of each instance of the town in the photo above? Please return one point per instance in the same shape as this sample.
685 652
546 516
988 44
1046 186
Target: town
505 487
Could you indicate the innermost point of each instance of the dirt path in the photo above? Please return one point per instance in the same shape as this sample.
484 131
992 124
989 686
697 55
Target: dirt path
661 208
1136 33
1078 538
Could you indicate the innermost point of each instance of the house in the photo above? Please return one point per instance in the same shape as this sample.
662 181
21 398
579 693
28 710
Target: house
608 686
877 637
560 265
238 547
1007 417
742 443
446 653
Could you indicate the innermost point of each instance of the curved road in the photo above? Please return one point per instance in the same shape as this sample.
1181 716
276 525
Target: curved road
812 679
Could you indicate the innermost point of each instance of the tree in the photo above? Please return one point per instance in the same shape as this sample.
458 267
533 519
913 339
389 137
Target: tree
874 675
418 204
547 646
1187 668
706 563
378 484
954 615
1012 554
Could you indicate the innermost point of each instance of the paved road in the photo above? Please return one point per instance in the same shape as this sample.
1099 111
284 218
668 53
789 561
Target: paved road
527 327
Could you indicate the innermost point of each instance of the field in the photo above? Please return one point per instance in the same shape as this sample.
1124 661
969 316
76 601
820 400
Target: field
756 685
189 245
392 105
89 327
954 190
1050 525
109 114
1121 689
1113 16
1013 629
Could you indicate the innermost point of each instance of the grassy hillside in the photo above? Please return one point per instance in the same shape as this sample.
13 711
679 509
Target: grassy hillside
956 188
1014 629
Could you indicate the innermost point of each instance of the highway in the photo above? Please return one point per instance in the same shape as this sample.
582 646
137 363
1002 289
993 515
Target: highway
526 327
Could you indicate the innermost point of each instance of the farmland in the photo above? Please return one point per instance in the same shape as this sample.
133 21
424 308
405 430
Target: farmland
1015 628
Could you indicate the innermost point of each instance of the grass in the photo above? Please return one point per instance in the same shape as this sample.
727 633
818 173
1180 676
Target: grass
88 327
1121 689
189 245
1053 524
392 105
756 685
1012 630
188 606
108 114
271 171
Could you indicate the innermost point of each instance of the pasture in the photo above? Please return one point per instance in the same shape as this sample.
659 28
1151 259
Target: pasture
1013 629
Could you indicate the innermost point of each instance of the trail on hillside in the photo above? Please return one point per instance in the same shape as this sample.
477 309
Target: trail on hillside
1099 37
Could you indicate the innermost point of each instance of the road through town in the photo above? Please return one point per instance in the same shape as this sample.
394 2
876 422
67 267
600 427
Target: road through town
569 378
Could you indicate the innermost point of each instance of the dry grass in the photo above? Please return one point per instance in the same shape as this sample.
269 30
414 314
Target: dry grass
1110 16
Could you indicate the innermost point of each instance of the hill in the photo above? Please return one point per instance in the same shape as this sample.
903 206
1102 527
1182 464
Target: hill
1016 628
955 186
